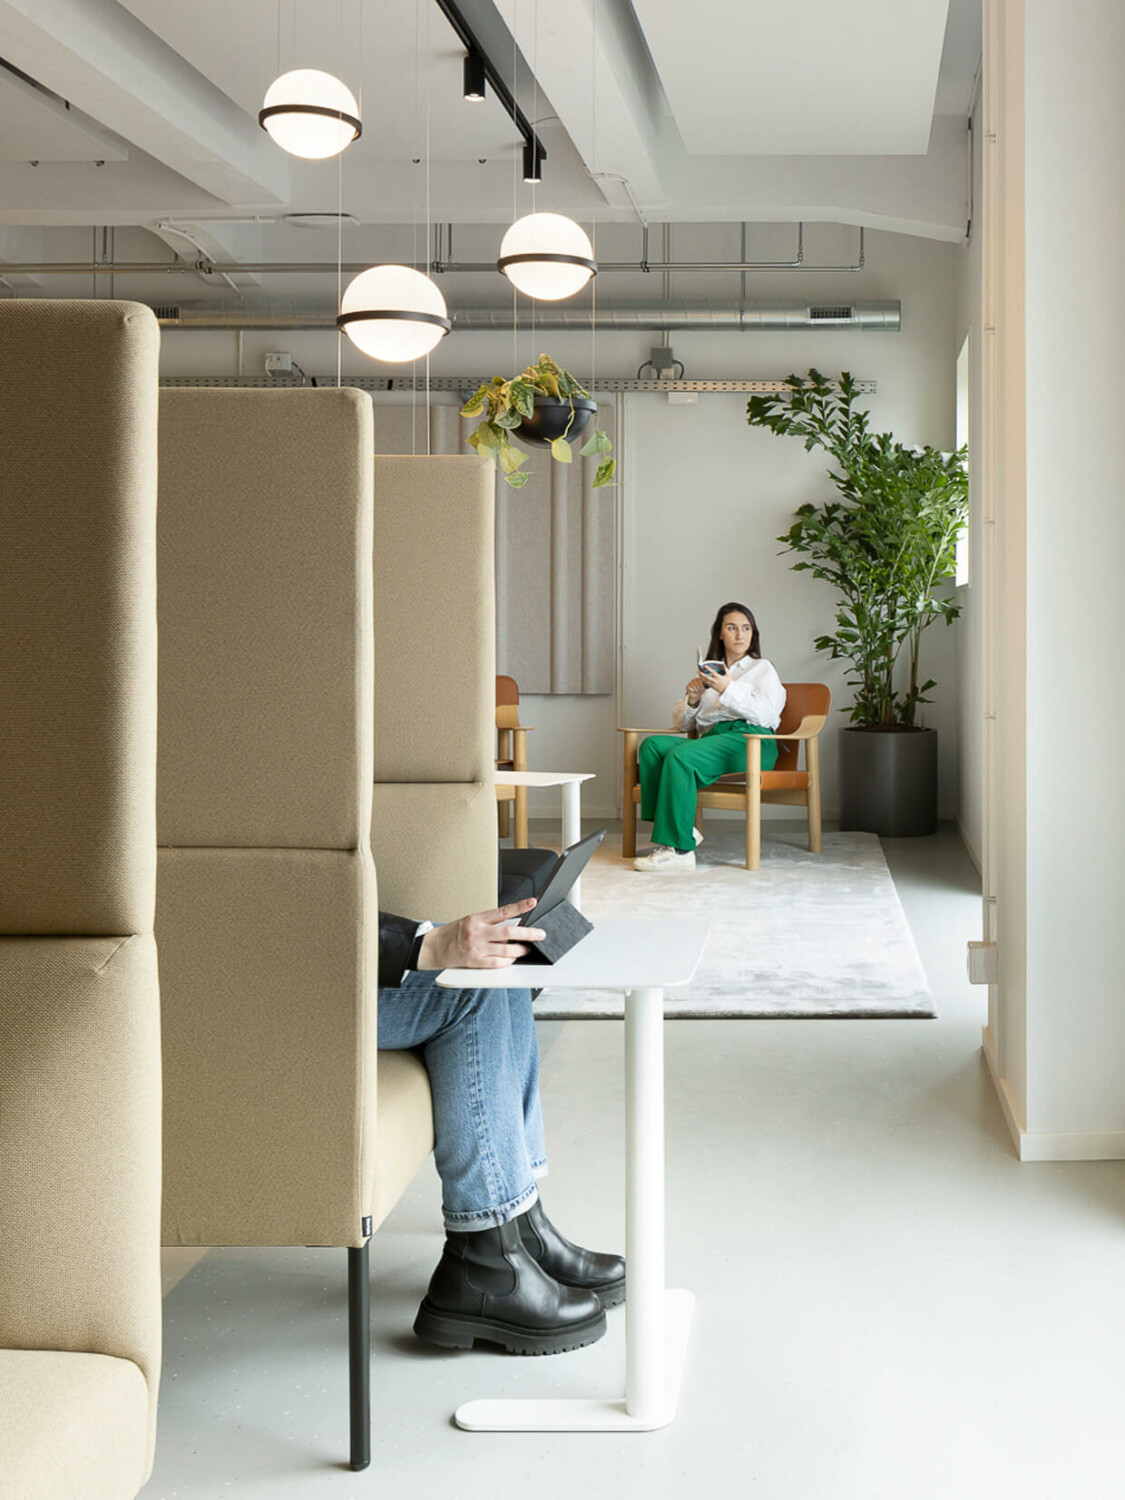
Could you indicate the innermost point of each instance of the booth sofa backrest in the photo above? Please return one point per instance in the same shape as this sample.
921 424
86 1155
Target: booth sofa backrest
79 1003
434 818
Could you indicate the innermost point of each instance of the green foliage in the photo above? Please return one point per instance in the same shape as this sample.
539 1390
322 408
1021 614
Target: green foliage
886 545
502 405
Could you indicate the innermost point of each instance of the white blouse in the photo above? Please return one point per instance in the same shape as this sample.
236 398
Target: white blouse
754 694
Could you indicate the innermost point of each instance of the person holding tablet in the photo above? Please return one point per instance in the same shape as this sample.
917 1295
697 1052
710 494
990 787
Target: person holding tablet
506 1275
734 692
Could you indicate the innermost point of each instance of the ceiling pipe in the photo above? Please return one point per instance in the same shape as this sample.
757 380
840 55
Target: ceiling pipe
352 268
763 316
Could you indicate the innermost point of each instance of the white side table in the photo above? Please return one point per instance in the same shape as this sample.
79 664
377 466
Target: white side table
643 958
571 783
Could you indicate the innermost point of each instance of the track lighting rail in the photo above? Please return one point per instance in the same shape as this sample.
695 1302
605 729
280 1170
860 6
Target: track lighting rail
534 149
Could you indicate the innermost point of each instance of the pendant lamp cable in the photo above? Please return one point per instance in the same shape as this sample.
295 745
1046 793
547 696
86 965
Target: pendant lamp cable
515 200
594 207
535 137
426 242
339 258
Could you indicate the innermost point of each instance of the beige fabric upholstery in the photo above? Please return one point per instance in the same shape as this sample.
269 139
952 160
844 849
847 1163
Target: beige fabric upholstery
405 1130
435 669
269 964
435 619
435 848
77 616
267 912
79 1004
74 1425
260 706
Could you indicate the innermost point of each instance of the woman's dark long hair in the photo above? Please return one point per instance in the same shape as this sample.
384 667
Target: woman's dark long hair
716 650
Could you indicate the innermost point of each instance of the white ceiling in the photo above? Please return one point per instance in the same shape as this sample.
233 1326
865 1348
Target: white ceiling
731 111
818 78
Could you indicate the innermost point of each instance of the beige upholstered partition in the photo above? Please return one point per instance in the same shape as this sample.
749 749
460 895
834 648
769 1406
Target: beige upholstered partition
434 818
275 1130
79 1004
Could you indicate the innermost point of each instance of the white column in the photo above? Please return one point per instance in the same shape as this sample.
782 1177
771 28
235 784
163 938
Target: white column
1062 812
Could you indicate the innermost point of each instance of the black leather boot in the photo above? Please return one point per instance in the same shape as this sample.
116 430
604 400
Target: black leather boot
487 1286
570 1264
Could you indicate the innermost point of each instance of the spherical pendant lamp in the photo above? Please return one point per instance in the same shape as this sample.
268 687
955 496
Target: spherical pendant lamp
393 313
310 114
547 256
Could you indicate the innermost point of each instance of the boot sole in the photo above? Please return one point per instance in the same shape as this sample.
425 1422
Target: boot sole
461 1331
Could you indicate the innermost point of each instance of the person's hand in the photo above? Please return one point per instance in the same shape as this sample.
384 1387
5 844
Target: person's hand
720 681
481 941
695 690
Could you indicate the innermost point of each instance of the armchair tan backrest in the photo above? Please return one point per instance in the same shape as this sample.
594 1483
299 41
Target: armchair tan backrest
433 827
79 1003
276 1133
807 705
511 755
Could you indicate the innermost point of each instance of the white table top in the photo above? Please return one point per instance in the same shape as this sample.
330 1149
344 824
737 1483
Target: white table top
541 778
622 954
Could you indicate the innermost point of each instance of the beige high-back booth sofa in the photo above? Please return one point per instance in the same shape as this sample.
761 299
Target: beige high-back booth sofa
434 819
281 1125
79 1005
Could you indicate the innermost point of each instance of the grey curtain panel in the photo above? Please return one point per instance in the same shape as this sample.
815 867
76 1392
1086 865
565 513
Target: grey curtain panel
556 555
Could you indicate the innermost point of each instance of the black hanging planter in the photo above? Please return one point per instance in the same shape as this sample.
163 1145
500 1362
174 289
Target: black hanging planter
550 419
888 781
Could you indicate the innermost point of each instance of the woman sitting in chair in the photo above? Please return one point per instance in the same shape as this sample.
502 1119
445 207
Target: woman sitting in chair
734 693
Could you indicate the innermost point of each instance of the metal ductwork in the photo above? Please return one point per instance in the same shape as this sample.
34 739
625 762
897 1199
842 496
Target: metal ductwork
765 316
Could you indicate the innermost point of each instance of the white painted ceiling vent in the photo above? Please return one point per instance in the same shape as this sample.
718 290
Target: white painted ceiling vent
831 312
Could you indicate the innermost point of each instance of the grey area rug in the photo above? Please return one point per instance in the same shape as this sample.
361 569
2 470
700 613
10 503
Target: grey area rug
806 936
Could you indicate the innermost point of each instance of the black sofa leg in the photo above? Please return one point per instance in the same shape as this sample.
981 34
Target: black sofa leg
359 1354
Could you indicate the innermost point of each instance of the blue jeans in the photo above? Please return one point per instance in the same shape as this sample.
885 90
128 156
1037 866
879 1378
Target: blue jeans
482 1055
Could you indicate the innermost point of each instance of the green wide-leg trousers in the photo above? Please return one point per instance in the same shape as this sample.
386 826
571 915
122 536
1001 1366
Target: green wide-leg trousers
671 769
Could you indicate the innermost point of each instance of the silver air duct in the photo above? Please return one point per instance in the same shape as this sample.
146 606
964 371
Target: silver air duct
761 315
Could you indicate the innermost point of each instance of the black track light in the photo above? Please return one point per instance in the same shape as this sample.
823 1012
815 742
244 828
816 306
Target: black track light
532 161
473 74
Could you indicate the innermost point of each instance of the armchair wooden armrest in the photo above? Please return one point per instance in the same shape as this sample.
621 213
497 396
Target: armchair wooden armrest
809 727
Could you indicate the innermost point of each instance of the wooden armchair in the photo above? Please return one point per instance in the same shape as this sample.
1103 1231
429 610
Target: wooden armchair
806 711
511 755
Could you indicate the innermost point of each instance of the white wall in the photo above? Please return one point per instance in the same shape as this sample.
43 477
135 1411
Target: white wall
704 496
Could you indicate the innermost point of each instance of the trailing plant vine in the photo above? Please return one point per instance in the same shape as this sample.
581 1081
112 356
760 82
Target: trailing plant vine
502 405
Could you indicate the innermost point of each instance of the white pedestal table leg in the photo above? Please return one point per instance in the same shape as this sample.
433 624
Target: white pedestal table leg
657 1322
572 830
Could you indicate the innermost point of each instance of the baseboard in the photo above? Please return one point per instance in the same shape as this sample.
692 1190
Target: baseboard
1008 1105
970 848
1049 1145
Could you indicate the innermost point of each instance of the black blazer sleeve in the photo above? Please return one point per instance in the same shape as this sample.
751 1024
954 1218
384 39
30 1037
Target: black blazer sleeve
397 937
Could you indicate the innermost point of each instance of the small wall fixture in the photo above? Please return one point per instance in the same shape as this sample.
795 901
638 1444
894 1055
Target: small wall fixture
393 313
547 256
310 114
473 76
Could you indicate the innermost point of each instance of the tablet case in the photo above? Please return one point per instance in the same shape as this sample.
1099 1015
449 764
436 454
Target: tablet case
564 925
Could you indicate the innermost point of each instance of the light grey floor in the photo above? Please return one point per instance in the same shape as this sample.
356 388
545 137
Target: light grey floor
889 1306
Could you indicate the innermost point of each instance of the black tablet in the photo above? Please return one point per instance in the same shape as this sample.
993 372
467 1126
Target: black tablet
570 865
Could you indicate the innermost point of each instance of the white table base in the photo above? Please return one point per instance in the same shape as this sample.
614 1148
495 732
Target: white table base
657 1322
584 1415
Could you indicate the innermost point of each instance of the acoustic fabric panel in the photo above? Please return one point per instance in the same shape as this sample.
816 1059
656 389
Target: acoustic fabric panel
74 1424
556 555
265 667
435 848
268 967
80 1147
78 391
434 620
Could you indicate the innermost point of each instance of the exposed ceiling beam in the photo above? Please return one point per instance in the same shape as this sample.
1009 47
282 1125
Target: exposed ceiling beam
98 56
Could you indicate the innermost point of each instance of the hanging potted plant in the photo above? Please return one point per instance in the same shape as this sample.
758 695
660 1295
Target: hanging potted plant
545 405
886 545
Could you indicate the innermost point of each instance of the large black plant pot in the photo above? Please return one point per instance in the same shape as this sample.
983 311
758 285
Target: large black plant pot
888 781
551 417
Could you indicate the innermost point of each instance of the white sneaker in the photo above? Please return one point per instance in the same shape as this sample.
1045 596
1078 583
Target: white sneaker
697 836
663 858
